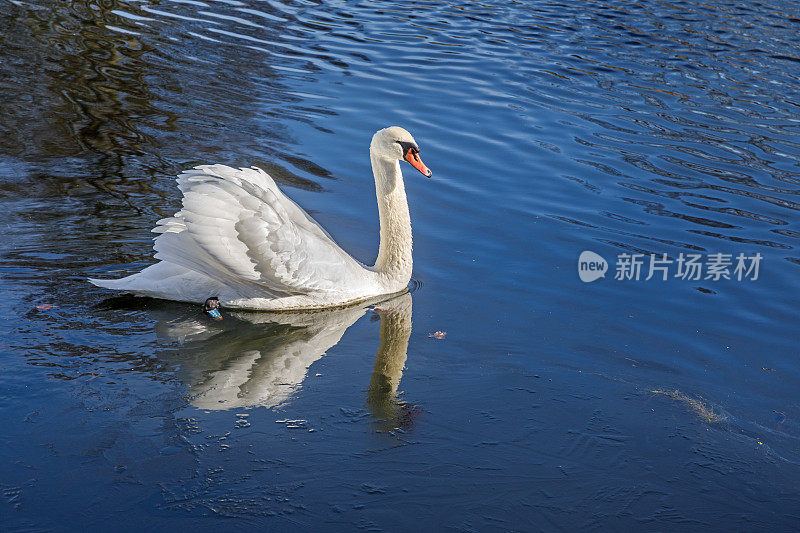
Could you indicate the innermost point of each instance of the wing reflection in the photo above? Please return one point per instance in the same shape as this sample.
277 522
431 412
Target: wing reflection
261 359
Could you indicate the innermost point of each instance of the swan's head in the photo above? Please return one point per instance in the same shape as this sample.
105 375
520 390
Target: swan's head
396 143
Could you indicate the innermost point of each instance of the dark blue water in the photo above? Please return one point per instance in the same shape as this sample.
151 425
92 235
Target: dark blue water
552 128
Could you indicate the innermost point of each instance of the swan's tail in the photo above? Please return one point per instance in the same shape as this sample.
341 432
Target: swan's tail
166 281
121 284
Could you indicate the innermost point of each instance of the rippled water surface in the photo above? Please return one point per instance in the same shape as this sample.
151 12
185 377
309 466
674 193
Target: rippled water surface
551 127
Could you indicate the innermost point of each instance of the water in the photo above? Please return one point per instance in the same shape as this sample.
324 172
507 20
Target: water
551 128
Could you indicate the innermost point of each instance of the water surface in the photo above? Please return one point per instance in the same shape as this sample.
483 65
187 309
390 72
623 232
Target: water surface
551 128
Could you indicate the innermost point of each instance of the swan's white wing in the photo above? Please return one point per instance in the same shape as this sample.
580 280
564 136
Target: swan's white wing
237 227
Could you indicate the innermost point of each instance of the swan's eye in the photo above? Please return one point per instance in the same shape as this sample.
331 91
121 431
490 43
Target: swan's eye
407 146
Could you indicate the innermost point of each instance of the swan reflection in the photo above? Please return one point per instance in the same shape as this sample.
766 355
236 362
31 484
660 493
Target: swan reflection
261 359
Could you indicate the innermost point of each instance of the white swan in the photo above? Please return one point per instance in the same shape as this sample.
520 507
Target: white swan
239 238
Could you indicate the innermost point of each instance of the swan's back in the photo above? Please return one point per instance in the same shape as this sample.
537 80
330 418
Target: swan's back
237 233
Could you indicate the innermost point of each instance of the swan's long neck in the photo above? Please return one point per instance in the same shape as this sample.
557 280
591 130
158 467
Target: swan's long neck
394 254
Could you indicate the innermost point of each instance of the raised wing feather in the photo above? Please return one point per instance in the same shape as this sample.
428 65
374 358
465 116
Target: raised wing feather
237 227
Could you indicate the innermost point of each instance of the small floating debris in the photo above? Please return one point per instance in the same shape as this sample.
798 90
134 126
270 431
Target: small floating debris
45 306
211 307
440 335
700 409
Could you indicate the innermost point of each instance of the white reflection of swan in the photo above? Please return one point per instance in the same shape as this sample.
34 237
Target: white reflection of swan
260 359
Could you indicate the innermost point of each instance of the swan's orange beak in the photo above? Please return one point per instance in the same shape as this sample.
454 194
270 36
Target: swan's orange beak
412 156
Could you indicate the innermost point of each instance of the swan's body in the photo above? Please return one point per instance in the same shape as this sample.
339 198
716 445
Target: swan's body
240 239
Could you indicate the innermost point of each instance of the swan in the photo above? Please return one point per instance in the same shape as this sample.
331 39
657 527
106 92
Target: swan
240 239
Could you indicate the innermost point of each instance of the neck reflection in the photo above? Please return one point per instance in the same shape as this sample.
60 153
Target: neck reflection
390 359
